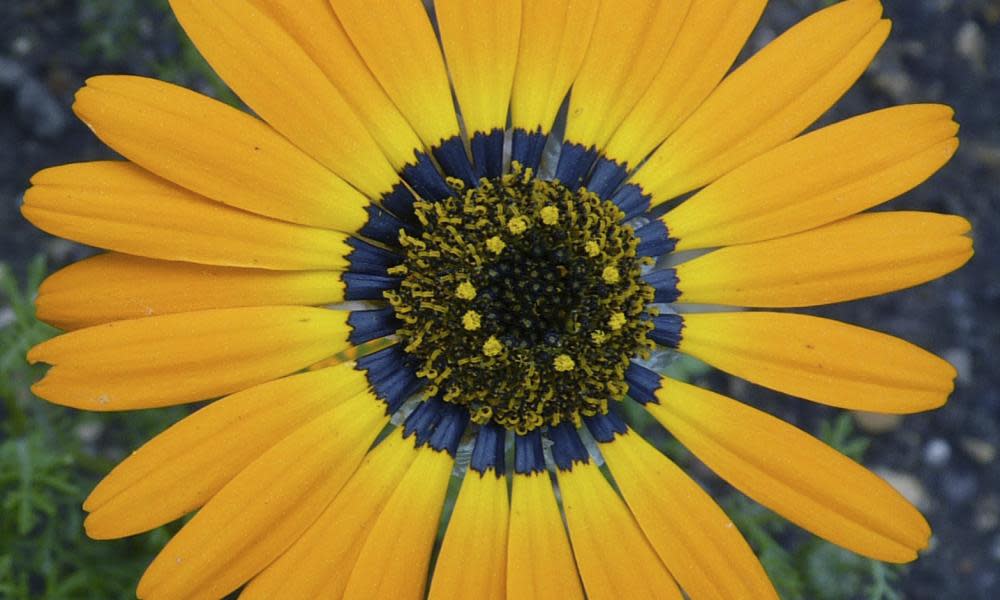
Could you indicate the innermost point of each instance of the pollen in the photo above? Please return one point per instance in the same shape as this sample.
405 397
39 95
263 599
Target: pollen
465 291
550 215
617 321
492 346
610 275
563 363
495 244
471 320
517 225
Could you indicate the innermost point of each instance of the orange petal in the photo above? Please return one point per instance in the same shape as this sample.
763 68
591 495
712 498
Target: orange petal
539 560
614 557
183 467
396 556
694 538
217 151
314 26
818 178
820 360
172 359
753 111
397 42
629 43
118 206
115 287
793 473
266 67
710 38
265 508
864 255
320 562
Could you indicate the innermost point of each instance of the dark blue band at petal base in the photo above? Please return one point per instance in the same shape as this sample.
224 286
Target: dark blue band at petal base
449 429
369 258
487 153
454 161
423 419
527 148
489 450
665 283
425 179
643 383
383 226
654 240
574 164
361 286
392 375
528 455
631 200
372 324
605 427
667 330
567 447
400 202
606 178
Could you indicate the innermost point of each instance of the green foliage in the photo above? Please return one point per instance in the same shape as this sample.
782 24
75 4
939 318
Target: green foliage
50 457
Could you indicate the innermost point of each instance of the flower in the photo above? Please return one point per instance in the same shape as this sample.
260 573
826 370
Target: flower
515 299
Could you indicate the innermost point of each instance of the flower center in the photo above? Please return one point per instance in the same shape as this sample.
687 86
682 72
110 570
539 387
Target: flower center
522 299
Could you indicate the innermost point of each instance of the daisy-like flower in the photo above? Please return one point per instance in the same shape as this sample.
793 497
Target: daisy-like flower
515 295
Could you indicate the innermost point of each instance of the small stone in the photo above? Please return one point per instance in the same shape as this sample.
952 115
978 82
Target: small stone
981 451
986 516
961 359
11 74
937 452
870 422
970 44
38 110
959 487
907 485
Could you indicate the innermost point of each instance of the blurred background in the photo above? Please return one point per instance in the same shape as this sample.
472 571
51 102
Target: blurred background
945 461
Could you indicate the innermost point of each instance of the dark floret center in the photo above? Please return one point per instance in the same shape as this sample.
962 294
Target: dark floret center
522 299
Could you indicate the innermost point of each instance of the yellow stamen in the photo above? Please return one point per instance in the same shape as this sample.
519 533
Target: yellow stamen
599 337
610 275
592 249
495 244
492 346
471 320
465 291
517 225
564 363
550 215
616 321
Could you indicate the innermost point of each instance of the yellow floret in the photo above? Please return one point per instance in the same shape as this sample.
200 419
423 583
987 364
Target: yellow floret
616 321
471 320
495 244
564 363
465 291
517 225
550 215
492 346
610 275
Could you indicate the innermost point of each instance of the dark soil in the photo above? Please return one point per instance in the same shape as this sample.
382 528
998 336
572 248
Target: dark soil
940 51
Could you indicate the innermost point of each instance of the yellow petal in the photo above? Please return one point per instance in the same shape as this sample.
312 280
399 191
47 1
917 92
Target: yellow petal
183 467
818 178
319 563
265 508
396 556
539 560
117 205
555 35
217 151
710 38
614 557
752 110
820 360
114 287
793 473
864 255
628 46
398 44
313 25
480 41
172 359
473 558
265 66
694 538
